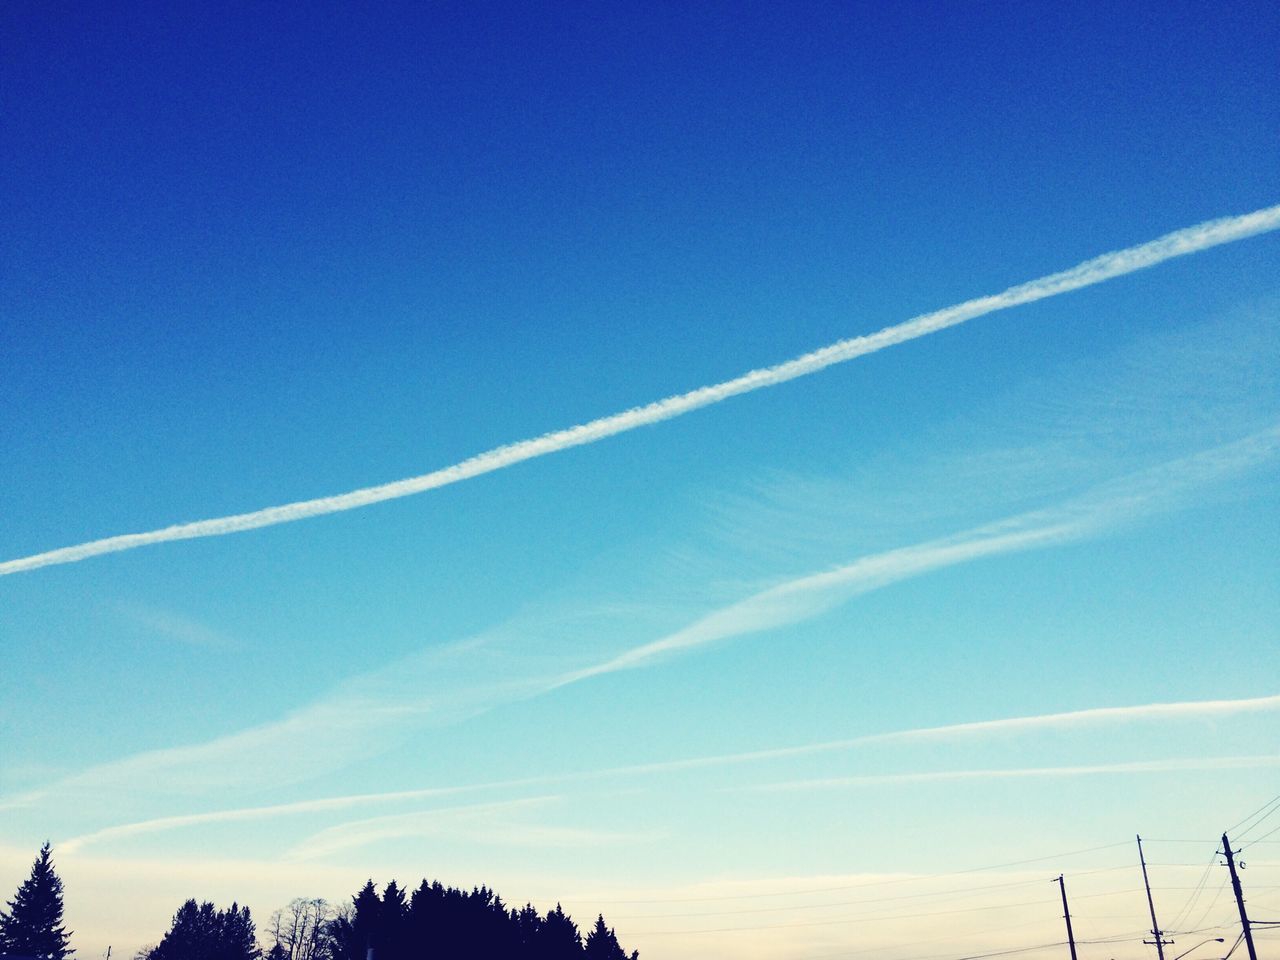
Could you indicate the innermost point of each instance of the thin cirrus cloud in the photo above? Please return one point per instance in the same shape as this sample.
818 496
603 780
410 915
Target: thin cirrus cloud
483 823
1096 270
1106 506
175 627
1188 710
1021 773
327 734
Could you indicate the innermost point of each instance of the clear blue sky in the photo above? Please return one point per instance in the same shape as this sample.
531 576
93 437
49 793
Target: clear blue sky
255 255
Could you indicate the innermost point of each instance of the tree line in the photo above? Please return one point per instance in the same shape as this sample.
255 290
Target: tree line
433 921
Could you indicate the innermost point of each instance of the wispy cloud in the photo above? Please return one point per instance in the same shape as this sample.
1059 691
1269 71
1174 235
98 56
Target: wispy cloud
278 810
484 823
1107 506
326 735
1035 441
1105 267
173 626
1018 773
1188 710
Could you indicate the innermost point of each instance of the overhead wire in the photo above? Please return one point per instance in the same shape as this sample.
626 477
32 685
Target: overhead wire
863 918
1273 803
988 931
1191 901
1261 839
952 894
846 920
1213 903
949 894
871 883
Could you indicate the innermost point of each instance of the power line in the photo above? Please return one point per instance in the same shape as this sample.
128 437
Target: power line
844 920
955 894
839 903
1239 940
1212 903
1272 802
1261 839
1199 842
1196 893
874 883
985 932
863 918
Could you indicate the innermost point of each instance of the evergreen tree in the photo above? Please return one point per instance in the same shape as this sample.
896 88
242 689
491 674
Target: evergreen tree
236 931
445 923
203 932
602 944
352 935
528 923
392 923
558 938
32 925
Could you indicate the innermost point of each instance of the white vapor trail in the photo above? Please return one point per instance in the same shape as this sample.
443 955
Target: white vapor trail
1018 773
1066 720
1107 505
1189 240
328 733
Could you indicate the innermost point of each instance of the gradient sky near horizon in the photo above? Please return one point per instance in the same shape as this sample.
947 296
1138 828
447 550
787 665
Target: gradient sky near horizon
255 255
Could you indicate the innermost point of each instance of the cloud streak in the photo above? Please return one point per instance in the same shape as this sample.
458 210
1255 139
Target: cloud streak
1106 506
327 734
1018 773
1067 720
1096 270
482 823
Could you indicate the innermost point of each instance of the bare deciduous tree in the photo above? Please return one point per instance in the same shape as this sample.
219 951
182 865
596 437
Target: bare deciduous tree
300 930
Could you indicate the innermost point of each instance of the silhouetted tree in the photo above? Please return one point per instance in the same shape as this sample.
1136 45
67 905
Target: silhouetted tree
355 932
301 931
202 932
528 924
32 924
444 923
602 944
558 939
392 923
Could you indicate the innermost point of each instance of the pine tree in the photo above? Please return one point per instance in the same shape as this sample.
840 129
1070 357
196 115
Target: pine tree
391 923
32 925
602 944
203 932
558 938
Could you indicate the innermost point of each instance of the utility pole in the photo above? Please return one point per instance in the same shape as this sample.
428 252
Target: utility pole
1159 940
1235 885
1066 915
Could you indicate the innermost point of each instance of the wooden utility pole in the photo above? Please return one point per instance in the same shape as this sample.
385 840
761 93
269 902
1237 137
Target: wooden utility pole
1066 915
1159 940
1235 885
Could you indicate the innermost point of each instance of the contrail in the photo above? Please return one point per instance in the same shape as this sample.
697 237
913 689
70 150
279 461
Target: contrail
1211 233
933 776
1066 720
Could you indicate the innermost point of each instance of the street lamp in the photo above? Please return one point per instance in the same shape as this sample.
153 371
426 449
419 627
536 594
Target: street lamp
1198 946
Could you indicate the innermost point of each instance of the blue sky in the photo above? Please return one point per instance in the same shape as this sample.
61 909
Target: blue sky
258 256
